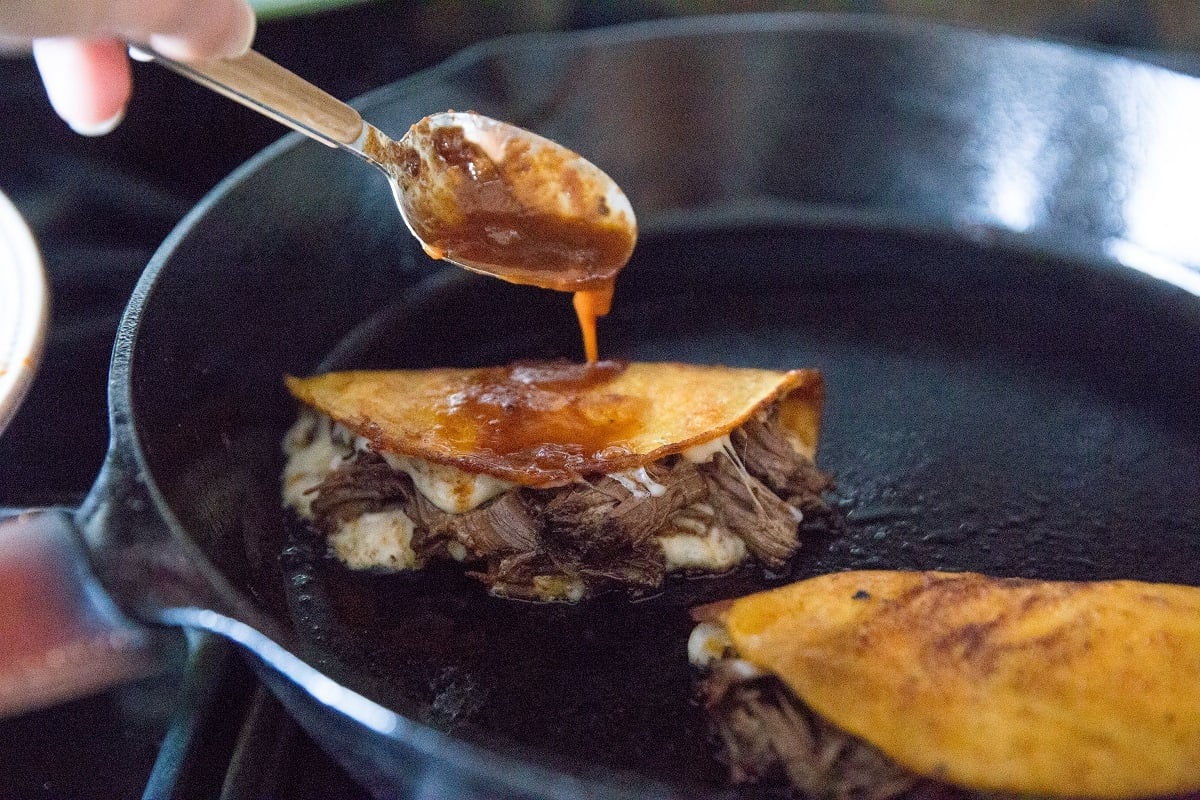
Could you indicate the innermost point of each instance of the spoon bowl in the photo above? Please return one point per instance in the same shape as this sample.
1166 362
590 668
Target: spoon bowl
500 200
485 195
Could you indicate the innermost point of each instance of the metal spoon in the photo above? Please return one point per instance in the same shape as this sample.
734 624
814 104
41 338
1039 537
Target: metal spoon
483 194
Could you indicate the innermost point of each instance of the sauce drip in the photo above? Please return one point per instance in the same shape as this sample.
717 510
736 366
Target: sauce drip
526 213
590 304
502 414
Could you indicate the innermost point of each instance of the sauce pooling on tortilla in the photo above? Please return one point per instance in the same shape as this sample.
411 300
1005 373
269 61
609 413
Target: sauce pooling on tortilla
503 413
524 214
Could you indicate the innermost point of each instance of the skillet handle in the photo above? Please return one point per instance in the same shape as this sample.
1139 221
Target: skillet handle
60 636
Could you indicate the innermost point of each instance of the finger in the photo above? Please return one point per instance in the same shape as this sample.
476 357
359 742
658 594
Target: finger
183 29
88 82
224 28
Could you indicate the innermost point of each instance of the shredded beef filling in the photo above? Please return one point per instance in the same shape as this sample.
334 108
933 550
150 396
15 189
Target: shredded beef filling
360 486
769 457
505 525
751 511
597 535
600 534
770 736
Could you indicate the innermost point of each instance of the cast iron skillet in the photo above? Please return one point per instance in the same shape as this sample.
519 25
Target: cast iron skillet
987 244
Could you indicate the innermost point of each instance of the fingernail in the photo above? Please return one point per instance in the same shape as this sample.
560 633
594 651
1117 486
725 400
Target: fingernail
97 128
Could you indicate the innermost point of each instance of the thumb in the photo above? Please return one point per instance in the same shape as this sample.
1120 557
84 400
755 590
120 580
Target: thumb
88 82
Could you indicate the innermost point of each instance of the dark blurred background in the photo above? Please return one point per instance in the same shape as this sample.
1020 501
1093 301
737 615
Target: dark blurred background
100 207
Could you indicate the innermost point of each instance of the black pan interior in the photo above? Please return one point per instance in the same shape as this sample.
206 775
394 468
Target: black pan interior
988 409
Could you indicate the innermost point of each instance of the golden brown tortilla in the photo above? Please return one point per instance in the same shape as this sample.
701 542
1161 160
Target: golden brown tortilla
545 425
1034 687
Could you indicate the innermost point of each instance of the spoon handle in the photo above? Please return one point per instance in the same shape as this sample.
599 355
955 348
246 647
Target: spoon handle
259 83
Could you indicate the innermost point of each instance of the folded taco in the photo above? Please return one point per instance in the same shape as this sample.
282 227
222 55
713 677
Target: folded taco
872 684
555 481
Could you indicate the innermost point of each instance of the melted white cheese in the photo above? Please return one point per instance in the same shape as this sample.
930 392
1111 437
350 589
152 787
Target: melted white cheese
705 451
707 643
449 488
316 446
312 454
693 540
716 551
639 483
378 540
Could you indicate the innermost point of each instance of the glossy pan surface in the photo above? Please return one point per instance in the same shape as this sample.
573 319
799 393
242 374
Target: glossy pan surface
979 240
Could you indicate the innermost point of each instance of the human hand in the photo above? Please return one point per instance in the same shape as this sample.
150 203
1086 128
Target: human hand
80 50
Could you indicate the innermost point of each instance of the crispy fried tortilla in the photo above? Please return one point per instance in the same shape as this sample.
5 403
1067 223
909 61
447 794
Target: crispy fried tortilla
554 481
544 425
1005 685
